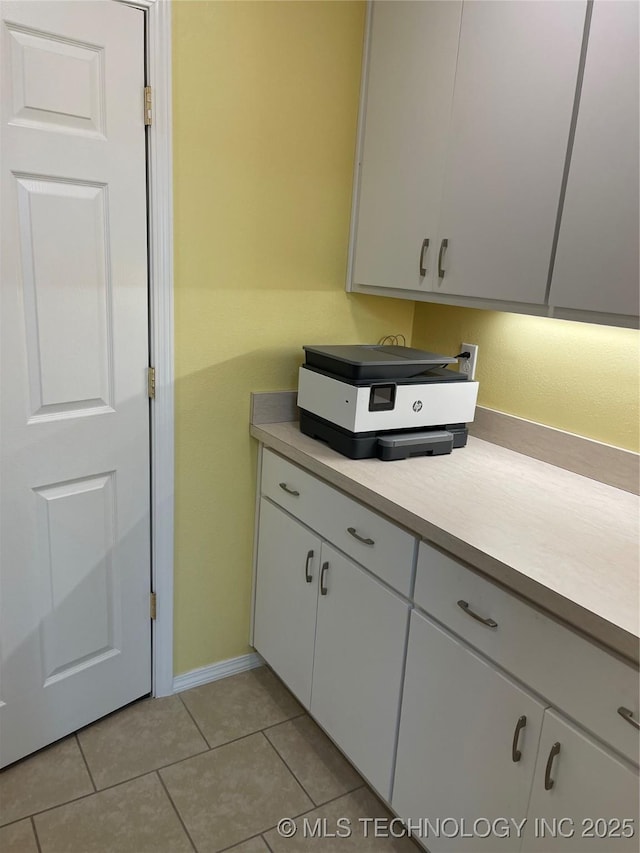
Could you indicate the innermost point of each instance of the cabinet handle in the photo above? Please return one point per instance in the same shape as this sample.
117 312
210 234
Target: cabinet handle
516 755
307 574
357 536
323 571
443 245
488 622
627 715
289 491
548 781
425 246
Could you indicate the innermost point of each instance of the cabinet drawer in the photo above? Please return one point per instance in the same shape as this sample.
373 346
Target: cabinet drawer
378 544
289 486
583 680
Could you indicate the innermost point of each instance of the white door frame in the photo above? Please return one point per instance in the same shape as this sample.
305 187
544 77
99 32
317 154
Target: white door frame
160 213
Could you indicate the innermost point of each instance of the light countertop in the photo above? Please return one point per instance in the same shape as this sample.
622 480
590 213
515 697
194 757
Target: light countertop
568 544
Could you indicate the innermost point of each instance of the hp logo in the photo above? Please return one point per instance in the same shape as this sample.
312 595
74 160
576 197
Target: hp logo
417 406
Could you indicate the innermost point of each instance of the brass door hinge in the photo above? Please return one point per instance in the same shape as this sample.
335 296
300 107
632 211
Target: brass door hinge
148 116
152 605
151 382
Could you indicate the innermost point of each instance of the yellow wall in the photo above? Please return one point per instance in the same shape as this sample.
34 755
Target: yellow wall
575 376
265 104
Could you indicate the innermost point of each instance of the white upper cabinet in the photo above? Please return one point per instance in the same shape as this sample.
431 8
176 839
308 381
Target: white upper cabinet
514 93
411 72
596 266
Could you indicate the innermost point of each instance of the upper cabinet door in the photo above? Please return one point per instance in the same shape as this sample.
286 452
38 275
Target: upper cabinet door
514 93
596 267
407 108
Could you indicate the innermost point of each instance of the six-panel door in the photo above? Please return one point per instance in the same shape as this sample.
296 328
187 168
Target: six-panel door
75 624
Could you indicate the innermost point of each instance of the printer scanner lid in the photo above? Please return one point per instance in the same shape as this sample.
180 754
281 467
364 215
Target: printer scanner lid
371 361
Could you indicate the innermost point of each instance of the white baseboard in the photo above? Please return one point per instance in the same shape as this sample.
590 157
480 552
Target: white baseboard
215 671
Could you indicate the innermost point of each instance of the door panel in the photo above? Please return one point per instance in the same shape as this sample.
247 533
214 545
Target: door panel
286 598
459 728
515 86
56 82
592 793
63 239
357 672
412 65
74 494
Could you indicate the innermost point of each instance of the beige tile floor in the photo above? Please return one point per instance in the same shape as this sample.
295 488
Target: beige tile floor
215 768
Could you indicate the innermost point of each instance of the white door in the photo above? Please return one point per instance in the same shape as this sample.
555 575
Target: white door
514 92
75 539
411 72
596 267
583 798
467 746
286 598
357 670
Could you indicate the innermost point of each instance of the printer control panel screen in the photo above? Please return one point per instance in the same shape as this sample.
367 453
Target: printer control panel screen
382 398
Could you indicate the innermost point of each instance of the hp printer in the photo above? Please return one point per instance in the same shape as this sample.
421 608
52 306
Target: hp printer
387 401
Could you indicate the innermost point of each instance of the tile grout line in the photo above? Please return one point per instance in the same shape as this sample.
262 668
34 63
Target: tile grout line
35 833
314 809
323 802
193 720
306 793
175 808
282 722
239 843
86 763
269 847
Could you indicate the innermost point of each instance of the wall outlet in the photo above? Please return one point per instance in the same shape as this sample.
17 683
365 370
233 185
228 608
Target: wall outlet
468 365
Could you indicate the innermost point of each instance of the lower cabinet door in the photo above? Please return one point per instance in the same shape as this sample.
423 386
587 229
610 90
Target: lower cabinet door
286 598
584 798
360 636
467 747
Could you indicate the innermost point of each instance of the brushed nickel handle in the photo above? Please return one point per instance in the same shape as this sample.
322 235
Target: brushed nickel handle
289 491
548 781
423 266
627 715
357 536
323 571
443 246
516 755
464 605
307 574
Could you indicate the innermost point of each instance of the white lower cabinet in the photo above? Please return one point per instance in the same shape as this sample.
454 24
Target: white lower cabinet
583 799
357 676
467 747
485 761
286 598
346 667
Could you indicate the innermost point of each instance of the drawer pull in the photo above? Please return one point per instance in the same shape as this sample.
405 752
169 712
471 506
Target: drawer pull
323 571
425 246
289 491
357 536
627 715
488 622
548 781
516 755
307 574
